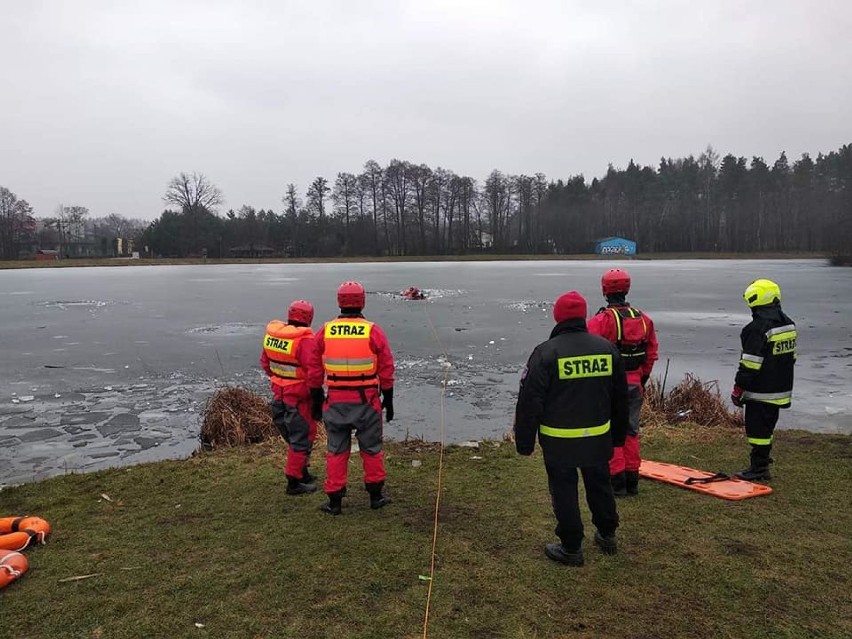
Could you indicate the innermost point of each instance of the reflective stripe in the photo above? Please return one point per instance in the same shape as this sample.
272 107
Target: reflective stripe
781 329
753 358
777 399
757 441
571 433
283 370
749 363
348 358
342 364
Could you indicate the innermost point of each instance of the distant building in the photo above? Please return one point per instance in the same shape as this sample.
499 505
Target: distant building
615 246
252 250
46 254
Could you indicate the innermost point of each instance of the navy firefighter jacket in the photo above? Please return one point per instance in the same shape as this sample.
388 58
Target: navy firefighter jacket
574 396
768 355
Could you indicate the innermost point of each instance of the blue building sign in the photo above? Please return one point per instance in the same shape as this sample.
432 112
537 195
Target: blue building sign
615 246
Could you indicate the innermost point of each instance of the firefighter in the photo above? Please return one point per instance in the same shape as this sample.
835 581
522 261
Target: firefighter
574 396
632 331
764 380
354 358
286 351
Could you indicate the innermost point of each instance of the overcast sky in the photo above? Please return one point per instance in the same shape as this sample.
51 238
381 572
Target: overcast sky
103 102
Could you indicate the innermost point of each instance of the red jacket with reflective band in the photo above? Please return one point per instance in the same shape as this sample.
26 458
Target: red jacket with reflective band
350 354
635 332
286 350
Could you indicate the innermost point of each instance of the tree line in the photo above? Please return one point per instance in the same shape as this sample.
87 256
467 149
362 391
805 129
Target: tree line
709 203
69 231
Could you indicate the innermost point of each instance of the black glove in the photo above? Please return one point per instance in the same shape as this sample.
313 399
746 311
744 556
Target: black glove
645 380
526 452
317 399
387 403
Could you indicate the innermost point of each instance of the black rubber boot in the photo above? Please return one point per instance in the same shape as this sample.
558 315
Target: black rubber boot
296 486
377 498
335 503
754 473
619 484
606 543
307 478
632 481
557 552
758 468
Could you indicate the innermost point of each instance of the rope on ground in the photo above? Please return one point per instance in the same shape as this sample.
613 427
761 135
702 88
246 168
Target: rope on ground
440 470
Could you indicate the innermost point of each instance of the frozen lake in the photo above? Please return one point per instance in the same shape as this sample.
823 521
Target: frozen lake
107 366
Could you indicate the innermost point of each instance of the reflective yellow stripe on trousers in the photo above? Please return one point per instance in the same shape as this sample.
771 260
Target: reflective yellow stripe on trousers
759 441
571 433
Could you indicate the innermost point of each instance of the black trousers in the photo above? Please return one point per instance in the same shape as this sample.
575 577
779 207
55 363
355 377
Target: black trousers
562 481
760 421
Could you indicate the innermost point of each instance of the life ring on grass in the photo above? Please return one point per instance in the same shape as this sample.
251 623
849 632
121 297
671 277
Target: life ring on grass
12 566
17 533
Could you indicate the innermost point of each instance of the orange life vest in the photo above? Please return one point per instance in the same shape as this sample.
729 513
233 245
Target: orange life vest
348 360
281 343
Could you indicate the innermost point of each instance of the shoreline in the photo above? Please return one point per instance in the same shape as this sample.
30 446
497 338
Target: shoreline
122 261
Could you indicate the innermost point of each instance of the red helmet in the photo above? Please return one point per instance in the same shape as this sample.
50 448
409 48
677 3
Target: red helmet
301 311
351 295
615 281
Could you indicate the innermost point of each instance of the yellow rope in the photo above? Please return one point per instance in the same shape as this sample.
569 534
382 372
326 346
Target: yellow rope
440 472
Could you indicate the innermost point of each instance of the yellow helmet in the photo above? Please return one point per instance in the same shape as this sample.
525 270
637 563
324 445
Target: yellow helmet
761 293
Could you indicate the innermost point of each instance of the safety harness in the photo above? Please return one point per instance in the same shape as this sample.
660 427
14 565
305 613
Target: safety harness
631 335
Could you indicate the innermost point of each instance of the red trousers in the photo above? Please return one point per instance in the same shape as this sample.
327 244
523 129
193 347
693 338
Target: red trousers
365 418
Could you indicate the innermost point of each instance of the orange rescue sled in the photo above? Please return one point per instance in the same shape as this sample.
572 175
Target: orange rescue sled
732 488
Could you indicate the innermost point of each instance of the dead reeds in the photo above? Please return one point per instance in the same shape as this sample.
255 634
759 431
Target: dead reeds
691 401
235 416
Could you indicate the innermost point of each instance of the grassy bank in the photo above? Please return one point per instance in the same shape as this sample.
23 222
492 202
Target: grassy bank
15 264
214 541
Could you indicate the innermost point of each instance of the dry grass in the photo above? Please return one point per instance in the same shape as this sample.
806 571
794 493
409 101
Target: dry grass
235 416
692 401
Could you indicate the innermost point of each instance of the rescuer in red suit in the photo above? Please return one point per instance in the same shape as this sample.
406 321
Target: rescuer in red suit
287 347
632 331
353 357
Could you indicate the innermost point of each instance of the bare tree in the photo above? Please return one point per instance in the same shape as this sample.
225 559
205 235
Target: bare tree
72 222
398 177
345 196
372 183
16 224
421 178
192 193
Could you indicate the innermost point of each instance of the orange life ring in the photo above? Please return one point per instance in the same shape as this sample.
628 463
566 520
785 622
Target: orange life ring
16 533
12 566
